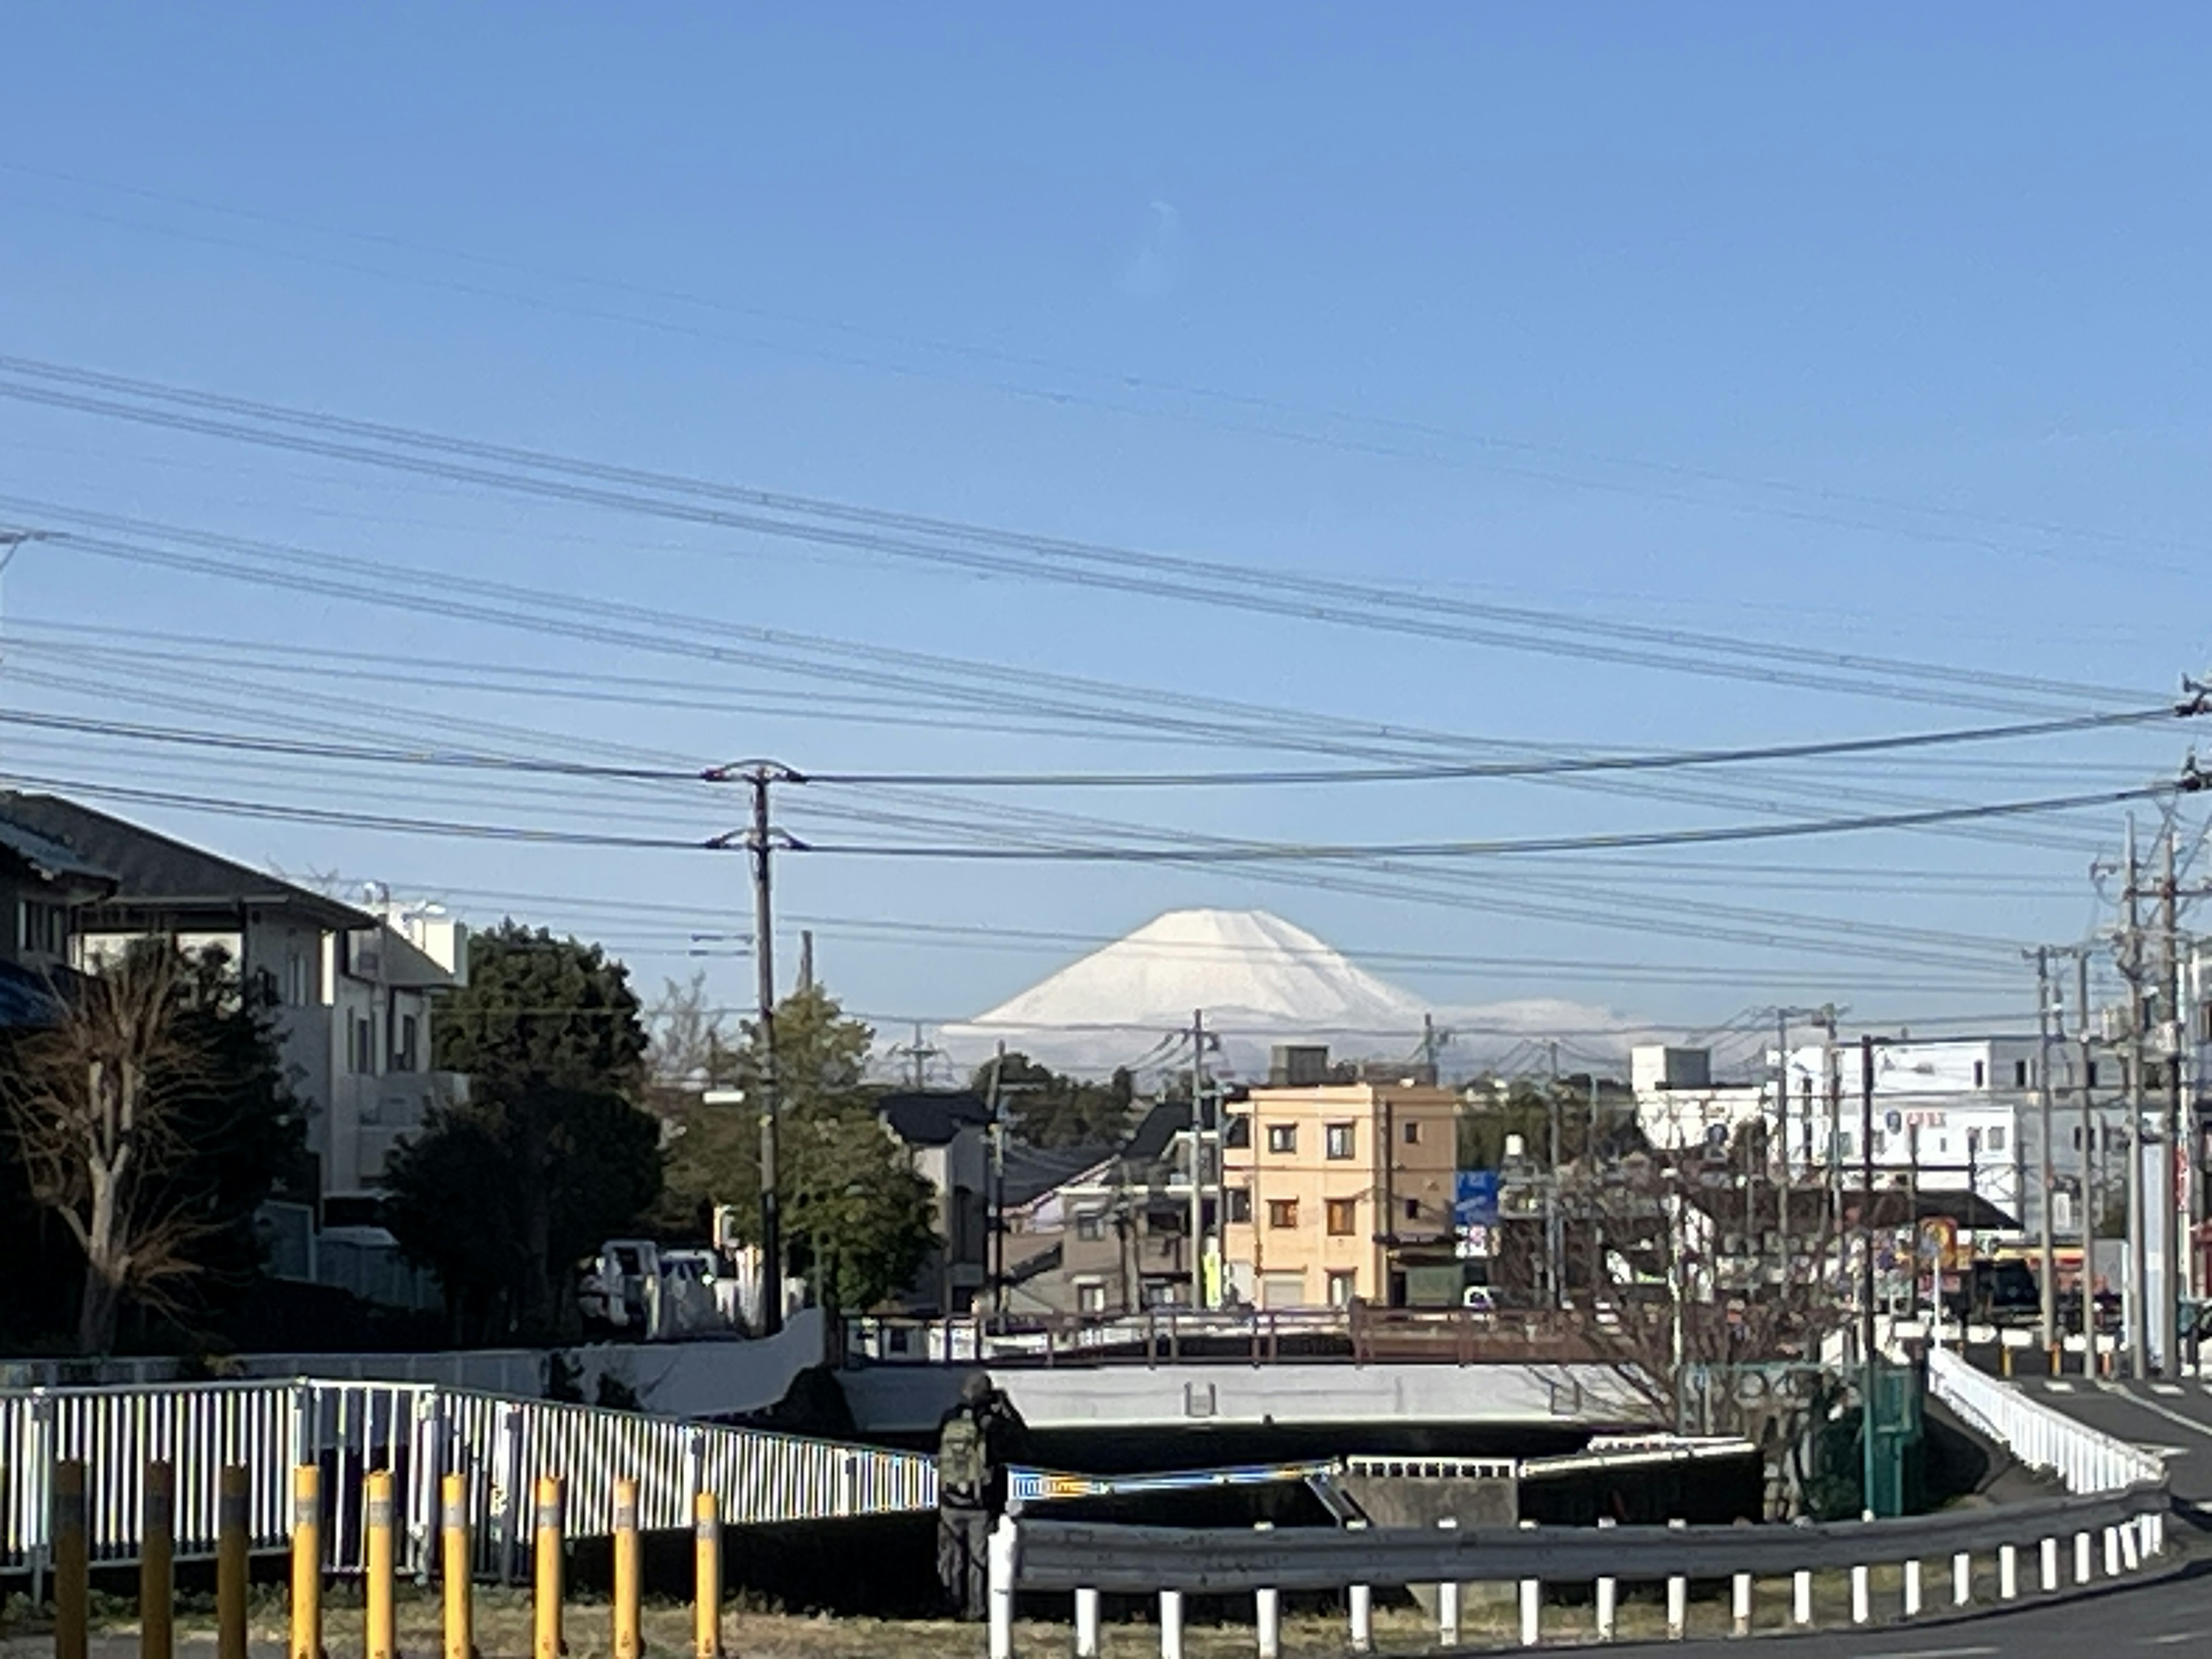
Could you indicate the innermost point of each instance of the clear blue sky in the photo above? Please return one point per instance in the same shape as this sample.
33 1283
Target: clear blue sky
1874 331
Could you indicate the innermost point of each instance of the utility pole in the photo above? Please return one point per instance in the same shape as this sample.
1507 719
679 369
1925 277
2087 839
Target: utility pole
1782 1131
1554 1242
1198 1159
2169 1193
998 1239
1868 1388
2050 1262
919 1054
1594 1209
759 842
2138 1275
2089 1194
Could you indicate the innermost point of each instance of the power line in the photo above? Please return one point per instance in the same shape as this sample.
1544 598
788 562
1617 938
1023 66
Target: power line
959 544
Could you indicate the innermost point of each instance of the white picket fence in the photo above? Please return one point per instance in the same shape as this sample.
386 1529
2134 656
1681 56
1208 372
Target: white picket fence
418 1432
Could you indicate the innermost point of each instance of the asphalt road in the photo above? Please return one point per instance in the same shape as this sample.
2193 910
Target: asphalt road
2173 1418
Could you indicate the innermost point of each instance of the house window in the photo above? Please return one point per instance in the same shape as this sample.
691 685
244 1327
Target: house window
1239 1206
1843 1144
1090 1297
1981 1073
1995 1141
1412 1209
1413 1132
1090 1223
1341 1288
1343 1217
2093 1070
406 1049
361 1043
1338 1138
1282 1136
1282 1212
2020 1074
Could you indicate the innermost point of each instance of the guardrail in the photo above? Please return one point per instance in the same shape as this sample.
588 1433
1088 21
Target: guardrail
1172 1562
417 1433
2085 1459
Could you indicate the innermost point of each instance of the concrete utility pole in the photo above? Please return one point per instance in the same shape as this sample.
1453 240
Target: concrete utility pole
1197 1158
1555 1243
2138 1276
759 841
2090 1197
1782 1131
2049 1273
996 1242
1867 1389
2169 1191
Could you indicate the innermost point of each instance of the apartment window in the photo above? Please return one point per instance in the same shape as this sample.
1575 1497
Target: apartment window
1413 1132
1282 1136
1879 1144
1091 1297
1843 1144
1338 1139
2204 1022
361 1044
406 1050
295 979
1994 1140
1343 1217
2020 1074
2093 1069
1981 1074
1090 1223
1282 1212
1239 1206
1341 1288
1412 1209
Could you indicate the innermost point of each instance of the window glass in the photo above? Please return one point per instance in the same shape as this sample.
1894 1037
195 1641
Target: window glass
1339 1140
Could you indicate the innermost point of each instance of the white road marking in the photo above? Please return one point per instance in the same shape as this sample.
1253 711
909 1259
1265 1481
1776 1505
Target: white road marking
2056 1387
2172 1638
1932 1653
2165 1388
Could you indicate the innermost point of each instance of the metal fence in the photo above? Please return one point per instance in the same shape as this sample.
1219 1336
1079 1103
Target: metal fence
418 1432
2085 1459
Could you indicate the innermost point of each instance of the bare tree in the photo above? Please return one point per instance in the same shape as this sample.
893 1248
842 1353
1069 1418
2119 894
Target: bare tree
96 1102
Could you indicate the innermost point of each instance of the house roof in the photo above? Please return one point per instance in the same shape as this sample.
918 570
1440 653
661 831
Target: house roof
1033 1171
51 859
154 871
1152 1137
932 1117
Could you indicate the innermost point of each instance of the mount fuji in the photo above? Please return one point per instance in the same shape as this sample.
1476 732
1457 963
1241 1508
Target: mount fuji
1258 979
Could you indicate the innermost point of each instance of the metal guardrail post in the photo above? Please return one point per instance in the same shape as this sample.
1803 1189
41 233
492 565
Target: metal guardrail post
2049 1565
706 1566
2084 1568
307 1638
454 1563
1448 1599
1267 1613
1609 1591
1361 1606
2008 1573
1171 1624
1861 1595
379 1524
157 1555
1801 1598
1912 1588
1086 1625
1740 1603
1962 1579
1003 1557
1532 1604
627 1641
1677 1600
545 1603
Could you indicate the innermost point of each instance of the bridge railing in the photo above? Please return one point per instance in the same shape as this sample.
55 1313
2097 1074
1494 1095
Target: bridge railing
417 1433
2084 1459
2123 1529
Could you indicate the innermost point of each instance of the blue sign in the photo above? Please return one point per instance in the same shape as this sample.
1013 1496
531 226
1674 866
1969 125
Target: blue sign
1474 1198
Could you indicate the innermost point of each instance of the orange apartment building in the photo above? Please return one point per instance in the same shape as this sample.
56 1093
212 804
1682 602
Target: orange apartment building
1341 1190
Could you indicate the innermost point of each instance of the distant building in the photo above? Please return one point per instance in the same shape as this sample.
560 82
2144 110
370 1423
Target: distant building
354 986
1337 1191
1680 1107
947 1134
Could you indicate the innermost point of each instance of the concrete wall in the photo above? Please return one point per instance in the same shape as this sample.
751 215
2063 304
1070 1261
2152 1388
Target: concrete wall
912 1399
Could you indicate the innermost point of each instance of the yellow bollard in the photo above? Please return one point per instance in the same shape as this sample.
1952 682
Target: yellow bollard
547 1609
157 1555
628 1644
306 1562
378 1630
707 1614
72 1562
231 1543
460 1613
